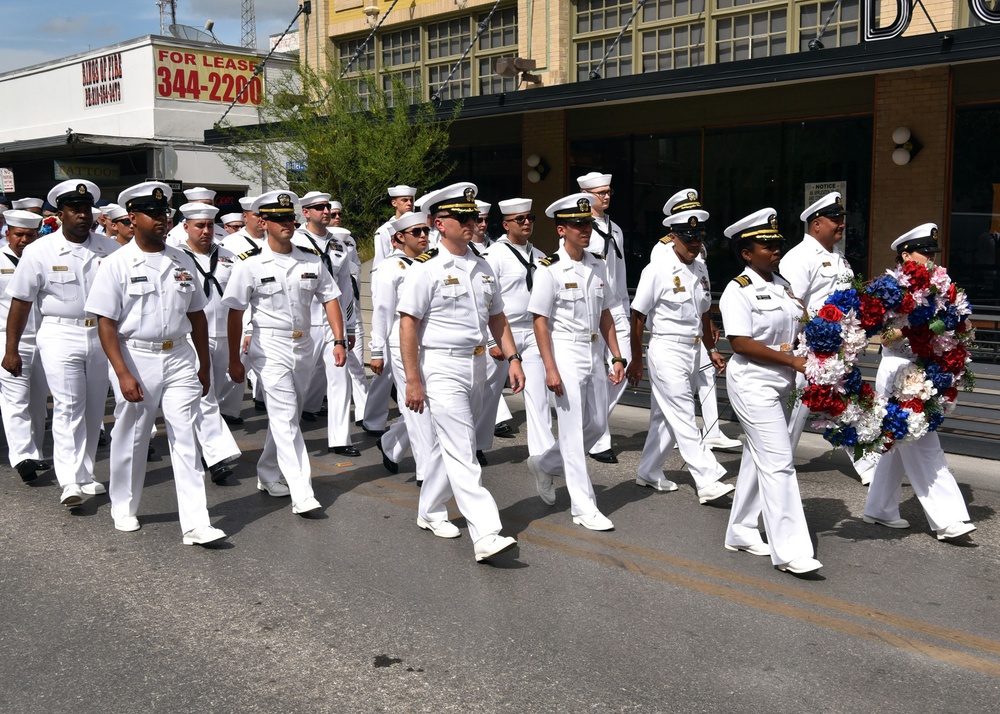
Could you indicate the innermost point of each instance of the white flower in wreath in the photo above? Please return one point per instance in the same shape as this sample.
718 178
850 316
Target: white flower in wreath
917 426
825 370
940 279
911 383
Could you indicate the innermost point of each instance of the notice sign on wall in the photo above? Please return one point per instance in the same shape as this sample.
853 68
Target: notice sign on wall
816 191
102 80
200 76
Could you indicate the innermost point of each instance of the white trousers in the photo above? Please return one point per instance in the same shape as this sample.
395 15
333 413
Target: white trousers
215 440
615 391
707 395
356 368
582 414
22 405
767 481
228 394
334 382
486 419
168 378
414 432
453 389
77 372
285 367
376 411
673 376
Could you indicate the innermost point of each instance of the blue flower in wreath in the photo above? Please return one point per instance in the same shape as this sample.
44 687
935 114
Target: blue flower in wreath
951 318
886 290
939 378
823 337
845 300
921 315
844 436
852 382
895 421
934 421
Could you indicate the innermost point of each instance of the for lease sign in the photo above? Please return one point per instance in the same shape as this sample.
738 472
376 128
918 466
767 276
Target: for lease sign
204 76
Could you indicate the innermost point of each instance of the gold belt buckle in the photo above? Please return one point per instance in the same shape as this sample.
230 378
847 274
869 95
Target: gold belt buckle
593 337
296 334
697 340
785 347
89 321
478 351
167 345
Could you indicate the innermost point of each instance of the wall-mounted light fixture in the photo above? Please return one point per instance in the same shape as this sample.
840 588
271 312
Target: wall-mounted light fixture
371 13
537 168
511 66
907 146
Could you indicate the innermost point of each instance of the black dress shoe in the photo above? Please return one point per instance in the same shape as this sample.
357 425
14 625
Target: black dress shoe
219 472
481 458
344 450
308 416
27 470
502 429
373 432
232 420
390 465
605 457
150 452
43 465
259 405
103 440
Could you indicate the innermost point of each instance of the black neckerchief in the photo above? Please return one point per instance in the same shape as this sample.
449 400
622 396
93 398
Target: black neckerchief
209 277
322 253
529 265
406 259
609 236
12 258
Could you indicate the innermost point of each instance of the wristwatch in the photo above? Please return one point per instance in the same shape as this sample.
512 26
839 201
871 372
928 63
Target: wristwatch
515 356
620 360
342 343
713 351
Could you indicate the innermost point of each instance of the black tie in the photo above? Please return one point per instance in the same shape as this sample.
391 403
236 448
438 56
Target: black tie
529 265
609 237
209 277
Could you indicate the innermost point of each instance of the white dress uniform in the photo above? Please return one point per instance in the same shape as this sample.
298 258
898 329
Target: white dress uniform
243 246
279 289
58 274
177 236
327 378
150 296
814 274
514 265
214 437
356 357
382 243
609 241
22 399
674 296
414 431
769 313
376 412
453 296
572 295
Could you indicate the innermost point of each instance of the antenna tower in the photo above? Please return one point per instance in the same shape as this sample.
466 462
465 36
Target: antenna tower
249 25
168 14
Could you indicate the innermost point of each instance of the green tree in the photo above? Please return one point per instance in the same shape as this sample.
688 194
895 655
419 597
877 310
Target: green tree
345 137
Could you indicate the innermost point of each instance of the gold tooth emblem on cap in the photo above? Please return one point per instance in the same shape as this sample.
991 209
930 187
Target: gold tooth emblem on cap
158 193
583 205
81 188
773 220
840 201
693 221
284 200
692 196
934 233
470 195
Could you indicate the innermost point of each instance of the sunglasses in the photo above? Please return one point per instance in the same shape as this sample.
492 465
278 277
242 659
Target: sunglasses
124 222
336 214
482 220
462 218
280 217
419 231
521 220
691 236
319 207
603 194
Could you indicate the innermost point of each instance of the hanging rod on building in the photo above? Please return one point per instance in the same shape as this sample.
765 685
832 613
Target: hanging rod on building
304 9
817 42
435 97
595 73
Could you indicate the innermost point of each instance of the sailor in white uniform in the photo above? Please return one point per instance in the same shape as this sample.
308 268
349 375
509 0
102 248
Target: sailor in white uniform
199 194
761 317
401 198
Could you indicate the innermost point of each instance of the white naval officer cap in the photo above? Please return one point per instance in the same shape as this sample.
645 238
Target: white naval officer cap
146 196
683 221
23 204
199 193
312 198
760 225
246 203
198 211
513 206
74 191
922 238
458 198
336 206
275 202
594 179
401 190
484 208
231 218
114 212
407 220
830 205
19 218
684 200
573 207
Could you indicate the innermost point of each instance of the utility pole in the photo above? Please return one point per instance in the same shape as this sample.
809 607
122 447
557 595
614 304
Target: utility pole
249 25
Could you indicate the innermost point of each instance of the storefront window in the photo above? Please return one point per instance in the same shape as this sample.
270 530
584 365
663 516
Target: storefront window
974 235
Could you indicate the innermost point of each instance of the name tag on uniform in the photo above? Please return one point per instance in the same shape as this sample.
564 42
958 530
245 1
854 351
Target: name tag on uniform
138 279
826 263
60 268
265 281
763 297
681 289
224 259
451 281
571 286
6 271
306 276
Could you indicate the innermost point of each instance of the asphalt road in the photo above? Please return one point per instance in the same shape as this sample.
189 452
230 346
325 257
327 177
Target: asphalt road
359 610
